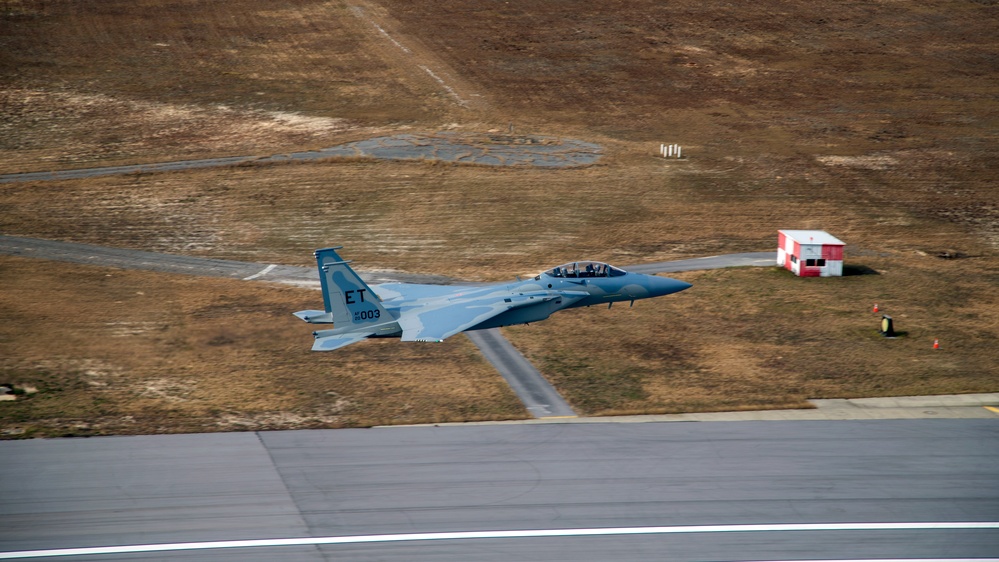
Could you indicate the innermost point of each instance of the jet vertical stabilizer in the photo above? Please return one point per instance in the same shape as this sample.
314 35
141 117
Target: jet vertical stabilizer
347 298
351 306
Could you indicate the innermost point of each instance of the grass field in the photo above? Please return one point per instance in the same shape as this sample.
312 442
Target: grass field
874 121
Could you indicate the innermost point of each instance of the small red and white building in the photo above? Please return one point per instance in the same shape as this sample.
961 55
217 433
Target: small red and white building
810 253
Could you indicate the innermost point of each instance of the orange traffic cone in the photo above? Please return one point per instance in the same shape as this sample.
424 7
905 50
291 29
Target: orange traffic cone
875 307
936 344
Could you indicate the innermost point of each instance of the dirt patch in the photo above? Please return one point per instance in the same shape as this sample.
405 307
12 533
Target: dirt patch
97 128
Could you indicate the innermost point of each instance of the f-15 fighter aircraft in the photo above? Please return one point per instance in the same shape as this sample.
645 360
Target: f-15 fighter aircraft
435 312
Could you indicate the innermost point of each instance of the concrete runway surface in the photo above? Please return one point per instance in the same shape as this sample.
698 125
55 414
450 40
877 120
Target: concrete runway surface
769 490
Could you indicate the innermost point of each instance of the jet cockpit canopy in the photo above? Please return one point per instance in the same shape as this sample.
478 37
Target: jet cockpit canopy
583 269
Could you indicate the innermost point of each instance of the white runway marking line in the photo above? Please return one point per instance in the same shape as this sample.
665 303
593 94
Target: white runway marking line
535 533
261 273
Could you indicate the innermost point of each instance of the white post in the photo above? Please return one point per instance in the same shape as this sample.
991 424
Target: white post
669 150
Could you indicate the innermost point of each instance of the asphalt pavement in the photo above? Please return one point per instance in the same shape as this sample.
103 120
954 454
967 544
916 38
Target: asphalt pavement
749 259
538 395
123 258
772 490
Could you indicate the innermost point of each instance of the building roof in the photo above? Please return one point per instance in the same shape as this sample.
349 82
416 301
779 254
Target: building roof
813 237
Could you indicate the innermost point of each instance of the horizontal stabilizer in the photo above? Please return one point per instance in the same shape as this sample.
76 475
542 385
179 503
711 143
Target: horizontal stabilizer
315 316
329 343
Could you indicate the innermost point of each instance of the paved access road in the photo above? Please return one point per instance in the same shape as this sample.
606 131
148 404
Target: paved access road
107 256
538 395
748 259
781 490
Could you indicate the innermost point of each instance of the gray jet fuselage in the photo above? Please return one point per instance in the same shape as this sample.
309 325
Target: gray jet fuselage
434 312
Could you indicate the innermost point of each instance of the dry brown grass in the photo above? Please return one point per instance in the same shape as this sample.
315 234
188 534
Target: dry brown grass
114 351
875 121
762 338
471 222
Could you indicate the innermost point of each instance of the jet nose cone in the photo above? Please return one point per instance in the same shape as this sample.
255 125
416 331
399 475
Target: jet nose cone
666 286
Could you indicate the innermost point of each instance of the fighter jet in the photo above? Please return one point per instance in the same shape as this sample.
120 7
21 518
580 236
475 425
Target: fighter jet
433 313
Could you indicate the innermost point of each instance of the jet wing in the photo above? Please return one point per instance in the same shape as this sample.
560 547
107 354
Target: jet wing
408 292
437 322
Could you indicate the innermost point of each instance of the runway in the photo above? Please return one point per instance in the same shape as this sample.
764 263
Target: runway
782 490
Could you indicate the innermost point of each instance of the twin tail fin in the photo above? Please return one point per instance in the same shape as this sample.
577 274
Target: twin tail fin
348 301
